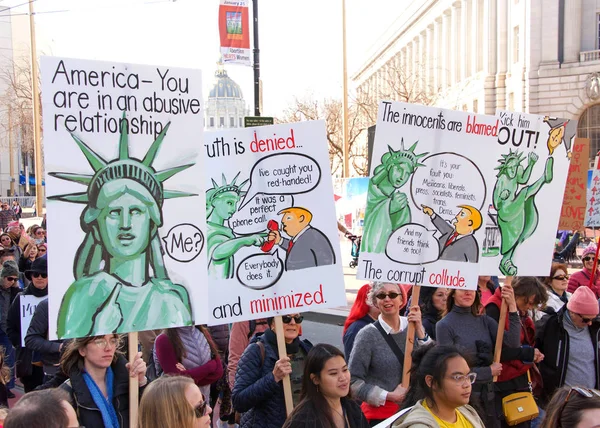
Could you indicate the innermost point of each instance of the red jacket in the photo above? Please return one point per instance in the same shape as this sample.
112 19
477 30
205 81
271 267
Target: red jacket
583 278
515 368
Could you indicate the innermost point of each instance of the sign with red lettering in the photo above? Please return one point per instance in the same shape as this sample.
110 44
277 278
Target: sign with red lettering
234 32
270 216
572 214
428 193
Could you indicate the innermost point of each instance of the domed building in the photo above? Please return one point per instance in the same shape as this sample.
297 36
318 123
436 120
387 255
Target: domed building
225 106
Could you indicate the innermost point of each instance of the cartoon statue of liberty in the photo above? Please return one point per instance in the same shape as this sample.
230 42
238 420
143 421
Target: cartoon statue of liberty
514 200
221 203
114 290
387 206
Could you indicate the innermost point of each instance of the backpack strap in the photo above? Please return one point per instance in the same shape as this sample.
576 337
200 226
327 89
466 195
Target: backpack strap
261 346
391 343
251 328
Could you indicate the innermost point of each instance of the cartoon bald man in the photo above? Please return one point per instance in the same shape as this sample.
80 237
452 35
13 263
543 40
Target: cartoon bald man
457 242
308 247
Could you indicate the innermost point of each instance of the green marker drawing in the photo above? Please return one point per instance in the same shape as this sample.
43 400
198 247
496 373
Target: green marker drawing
514 200
121 283
387 206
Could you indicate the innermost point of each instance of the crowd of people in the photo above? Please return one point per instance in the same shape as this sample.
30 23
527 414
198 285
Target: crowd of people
232 375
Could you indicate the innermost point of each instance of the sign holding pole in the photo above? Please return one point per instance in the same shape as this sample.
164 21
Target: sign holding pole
287 384
410 340
134 386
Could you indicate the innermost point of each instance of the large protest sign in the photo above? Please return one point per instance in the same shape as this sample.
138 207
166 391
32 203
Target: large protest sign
271 231
28 304
573 210
234 32
592 214
427 195
531 173
123 162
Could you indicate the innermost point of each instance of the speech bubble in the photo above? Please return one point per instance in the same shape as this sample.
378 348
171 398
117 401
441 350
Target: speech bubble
283 174
446 181
413 244
255 215
260 271
184 242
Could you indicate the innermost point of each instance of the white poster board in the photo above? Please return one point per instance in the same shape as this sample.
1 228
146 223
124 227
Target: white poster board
592 213
272 239
427 195
28 305
125 198
527 194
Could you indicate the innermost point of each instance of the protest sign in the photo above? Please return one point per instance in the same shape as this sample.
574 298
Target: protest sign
592 214
234 32
270 217
127 192
572 214
531 173
427 192
28 304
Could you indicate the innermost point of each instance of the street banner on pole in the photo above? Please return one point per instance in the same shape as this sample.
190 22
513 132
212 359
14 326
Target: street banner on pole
122 161
572 215
234 32
272 237
527 191
427 196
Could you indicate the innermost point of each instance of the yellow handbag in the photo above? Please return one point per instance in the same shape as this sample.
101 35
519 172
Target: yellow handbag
520 406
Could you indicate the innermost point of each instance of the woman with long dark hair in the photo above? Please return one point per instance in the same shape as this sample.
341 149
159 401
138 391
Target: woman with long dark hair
362 313
433 306
189 351
325 400
573 407
440 389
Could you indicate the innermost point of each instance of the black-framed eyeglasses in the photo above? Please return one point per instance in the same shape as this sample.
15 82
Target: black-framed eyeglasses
587 258
288 319
584 392
200 409
392 295
37 275
584 319
561 277
10 278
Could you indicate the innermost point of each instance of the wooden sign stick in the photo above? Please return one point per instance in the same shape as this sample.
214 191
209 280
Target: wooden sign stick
501 327
287 385
410 340
134 389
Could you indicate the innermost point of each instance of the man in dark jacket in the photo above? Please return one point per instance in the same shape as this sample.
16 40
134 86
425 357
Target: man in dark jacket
569 339
31 375
6 216
37 340
258 389
9 277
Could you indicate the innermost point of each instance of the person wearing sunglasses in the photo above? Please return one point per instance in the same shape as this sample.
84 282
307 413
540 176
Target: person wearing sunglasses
573 407
98 384
173 402
377 359
583 277
569 339
258 387
440 388
556 285
9 289
30 375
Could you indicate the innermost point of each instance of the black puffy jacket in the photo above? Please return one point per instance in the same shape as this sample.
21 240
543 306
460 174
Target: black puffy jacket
255 392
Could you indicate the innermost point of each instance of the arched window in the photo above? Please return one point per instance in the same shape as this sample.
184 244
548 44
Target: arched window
589 127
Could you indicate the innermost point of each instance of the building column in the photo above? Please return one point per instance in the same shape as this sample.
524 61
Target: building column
430 59
550 33
572 31
476 38
455 55
421 62
490 36
445 66
465 63
437 57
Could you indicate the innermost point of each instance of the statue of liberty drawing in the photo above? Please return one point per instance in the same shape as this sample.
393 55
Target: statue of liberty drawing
121 283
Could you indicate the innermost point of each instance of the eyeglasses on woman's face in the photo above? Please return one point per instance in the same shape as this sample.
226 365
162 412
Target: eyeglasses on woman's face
102 343
392 295
461 379
587 259
288 319
561 277
200 409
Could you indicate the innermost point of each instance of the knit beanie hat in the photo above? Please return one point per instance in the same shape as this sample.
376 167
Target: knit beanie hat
9 268
591 249
583 301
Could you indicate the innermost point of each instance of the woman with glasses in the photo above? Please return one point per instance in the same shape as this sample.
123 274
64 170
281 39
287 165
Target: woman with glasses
556 285
583 277
326 401
569 339
475 334
189 351
376 361
440 389
258 389
98 384
173 402
573 407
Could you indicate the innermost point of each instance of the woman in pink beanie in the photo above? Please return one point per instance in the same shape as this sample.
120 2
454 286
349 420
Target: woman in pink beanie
583 276
569 339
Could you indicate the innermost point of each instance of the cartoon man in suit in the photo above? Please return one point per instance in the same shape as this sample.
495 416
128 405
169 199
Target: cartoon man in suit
308 247
457 242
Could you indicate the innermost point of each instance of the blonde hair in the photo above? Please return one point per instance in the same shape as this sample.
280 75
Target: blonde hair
164 404
475 216
298 211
